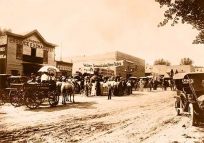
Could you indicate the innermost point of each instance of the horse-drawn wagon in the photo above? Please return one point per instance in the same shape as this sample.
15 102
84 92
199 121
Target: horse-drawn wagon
190 95
11 89
37 93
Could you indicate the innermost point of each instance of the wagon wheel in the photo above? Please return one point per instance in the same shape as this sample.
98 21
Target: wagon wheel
32 101
193 117
53 98
16 98
2 98
177 106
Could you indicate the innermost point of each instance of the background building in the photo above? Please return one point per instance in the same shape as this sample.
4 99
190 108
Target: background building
199 69
114 63
165 70
24 54
64 67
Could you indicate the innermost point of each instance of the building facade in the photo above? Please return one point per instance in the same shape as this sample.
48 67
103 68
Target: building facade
199 69
113 63
165 70
24 54
64 67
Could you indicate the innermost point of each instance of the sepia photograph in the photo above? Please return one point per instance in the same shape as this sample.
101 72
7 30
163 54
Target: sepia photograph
101 71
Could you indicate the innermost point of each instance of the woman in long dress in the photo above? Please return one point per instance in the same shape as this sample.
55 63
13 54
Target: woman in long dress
93 88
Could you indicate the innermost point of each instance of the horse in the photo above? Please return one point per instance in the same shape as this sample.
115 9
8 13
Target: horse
66 88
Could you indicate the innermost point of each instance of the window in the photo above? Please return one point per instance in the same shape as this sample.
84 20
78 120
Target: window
33 52
45 56
14 72
19 51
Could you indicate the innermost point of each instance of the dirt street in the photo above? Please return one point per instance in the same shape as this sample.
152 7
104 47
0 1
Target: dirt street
147 117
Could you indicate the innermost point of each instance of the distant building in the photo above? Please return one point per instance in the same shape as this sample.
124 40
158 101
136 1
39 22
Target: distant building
64 67
199 69
165 70
113 63
24 54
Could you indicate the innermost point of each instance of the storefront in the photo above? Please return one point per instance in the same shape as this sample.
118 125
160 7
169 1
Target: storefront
25 54
64 67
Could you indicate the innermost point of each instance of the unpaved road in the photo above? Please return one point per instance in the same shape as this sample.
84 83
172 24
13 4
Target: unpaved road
147 117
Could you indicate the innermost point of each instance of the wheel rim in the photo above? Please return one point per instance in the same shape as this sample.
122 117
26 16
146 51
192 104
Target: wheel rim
53 99
31 102
192 114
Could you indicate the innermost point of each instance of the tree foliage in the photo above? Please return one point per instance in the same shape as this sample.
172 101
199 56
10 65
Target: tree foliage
186 61
162 62
4 30
185 11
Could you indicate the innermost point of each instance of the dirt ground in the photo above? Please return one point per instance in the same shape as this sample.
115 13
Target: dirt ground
147 117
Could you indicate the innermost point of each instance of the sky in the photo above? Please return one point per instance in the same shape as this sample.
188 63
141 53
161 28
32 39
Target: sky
88 27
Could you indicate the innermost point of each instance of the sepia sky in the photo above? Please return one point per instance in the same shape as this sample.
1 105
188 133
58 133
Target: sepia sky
86 27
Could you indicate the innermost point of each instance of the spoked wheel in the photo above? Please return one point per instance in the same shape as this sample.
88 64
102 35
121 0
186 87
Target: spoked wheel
16 98
2 98
53 98
177 107
193 117
33 101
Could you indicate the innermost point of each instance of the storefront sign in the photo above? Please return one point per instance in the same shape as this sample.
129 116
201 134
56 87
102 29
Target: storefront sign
104 65
30 43
2 53
64 68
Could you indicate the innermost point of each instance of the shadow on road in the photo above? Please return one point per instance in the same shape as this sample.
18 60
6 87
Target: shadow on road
77 105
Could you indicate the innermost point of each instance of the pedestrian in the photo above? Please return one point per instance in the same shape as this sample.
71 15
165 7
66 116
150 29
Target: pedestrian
109 91
129 87
141 84
150 84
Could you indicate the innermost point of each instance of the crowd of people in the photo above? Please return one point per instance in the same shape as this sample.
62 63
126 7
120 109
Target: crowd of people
95 85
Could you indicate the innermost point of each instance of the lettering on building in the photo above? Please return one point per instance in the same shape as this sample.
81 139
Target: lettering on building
30 43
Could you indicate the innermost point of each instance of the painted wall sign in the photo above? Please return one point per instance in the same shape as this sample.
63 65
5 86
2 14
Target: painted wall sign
30 43
104 65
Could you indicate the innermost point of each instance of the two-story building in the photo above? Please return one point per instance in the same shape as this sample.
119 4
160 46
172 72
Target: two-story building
24 54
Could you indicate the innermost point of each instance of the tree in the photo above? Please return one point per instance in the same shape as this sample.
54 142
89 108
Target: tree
4 30
186 61
185 11
162 62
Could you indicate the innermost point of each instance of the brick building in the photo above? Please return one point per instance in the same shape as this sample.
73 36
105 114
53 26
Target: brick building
24 54
114 63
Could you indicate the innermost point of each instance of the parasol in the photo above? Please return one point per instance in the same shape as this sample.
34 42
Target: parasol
48 68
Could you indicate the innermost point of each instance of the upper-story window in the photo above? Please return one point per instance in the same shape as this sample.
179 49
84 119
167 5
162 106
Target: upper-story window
33 52
19 51
45 56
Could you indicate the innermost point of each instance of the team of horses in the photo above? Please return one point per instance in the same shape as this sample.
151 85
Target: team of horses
67 88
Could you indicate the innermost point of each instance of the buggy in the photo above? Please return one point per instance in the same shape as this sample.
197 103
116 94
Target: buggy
11 89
